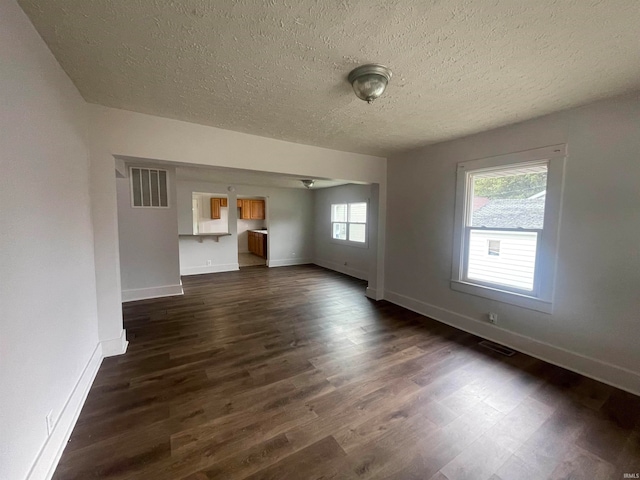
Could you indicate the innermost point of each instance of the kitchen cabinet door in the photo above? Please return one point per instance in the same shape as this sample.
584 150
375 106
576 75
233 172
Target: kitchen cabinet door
257 209
215 208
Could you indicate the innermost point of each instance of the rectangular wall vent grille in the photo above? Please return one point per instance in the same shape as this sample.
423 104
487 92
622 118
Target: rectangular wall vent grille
149 187
496 347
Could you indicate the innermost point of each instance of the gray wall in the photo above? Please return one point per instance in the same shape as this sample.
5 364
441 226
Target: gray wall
148 240
349 259
48 315
595 325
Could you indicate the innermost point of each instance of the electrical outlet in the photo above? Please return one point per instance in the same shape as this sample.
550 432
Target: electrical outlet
50 424
493 317
208 263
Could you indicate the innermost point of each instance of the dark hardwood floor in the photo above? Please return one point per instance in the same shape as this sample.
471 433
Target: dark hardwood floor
292 373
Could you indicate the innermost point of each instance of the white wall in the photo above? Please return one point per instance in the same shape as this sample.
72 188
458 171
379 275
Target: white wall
48 316
289 217
149 265
594 327
350 259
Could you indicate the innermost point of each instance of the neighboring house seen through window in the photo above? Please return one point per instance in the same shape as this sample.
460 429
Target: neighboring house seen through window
507 215
349 222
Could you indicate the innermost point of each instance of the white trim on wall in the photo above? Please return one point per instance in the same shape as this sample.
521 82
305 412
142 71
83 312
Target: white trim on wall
225 267
152 292
51 452
589 367
352 272
372 293
288 262
115 346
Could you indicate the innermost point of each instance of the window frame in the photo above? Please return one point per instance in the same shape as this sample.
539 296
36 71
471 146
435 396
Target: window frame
352 243
541 298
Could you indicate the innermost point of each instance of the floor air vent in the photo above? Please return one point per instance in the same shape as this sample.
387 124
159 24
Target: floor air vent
496 347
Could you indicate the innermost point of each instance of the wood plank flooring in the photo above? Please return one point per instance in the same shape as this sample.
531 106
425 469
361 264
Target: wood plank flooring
292 373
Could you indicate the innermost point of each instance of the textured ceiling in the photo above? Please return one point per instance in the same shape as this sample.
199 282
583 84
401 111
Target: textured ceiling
277 68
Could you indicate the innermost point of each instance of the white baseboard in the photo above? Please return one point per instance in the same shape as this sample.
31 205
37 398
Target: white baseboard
115 346
152 292
226 267
352 272
288 262
49 456
372 294
605 372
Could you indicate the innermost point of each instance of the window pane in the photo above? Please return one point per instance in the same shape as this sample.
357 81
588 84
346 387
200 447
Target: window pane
340 231
357 232
136 187
502 257
511 197
155 202
358 212
163 188
146 188
493 247
339 212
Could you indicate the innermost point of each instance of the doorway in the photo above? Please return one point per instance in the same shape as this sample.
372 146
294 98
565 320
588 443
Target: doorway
253 234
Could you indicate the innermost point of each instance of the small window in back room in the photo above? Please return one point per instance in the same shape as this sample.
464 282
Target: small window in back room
148 188
349 222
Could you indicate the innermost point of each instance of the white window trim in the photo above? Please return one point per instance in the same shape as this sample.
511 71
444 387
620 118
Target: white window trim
131 188
348 242
542 298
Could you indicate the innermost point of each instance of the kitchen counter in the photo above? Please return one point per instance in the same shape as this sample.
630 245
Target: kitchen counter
263 232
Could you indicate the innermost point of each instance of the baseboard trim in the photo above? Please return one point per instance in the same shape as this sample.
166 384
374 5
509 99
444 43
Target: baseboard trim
51 452
288 262
605 372
225 267
352 272
152 292
372 293
115 346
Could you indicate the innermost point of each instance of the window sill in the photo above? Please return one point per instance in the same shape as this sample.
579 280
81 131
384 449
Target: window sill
349 243
530 303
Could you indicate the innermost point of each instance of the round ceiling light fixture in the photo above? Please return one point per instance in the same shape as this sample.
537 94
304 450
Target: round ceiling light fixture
369 81
308 182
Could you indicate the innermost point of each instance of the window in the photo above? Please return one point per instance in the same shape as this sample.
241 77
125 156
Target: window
507 216
349 222
493 247
148 187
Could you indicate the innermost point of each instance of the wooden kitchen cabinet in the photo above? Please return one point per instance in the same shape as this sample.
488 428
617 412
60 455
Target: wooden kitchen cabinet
257 209
216 203
245 209
258 244
251 209
215 208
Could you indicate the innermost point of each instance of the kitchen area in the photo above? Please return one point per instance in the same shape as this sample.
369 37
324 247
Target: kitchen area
252 232
223 227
